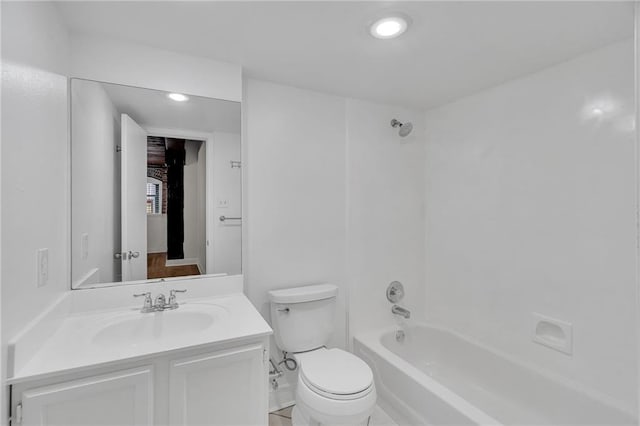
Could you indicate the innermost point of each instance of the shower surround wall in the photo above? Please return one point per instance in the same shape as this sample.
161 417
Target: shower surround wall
385 213
531 208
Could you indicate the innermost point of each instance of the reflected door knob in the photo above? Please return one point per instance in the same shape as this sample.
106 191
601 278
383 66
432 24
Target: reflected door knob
134 254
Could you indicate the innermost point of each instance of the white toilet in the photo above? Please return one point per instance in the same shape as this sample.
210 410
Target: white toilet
334 387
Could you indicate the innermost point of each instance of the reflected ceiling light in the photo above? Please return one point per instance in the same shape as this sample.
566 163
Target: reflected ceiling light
597 111
389 27
178 97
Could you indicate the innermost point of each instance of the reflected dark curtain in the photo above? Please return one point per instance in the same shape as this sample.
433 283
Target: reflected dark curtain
175 158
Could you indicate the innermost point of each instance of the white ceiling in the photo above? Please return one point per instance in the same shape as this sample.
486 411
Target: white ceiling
452 49
152 108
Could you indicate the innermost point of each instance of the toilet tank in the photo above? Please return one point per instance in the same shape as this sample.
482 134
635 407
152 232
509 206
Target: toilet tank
303 317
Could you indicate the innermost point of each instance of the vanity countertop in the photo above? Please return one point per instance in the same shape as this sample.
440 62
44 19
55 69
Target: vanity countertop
96 338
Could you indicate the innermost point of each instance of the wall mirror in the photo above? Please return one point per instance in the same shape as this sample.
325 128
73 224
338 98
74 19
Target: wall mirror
155 185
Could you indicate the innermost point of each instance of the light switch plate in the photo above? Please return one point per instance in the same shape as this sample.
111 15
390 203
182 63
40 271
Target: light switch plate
42 268
84 244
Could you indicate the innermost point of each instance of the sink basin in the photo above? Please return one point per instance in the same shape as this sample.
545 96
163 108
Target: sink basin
137 328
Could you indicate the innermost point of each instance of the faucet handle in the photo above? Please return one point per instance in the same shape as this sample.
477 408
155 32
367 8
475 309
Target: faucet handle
148 303
173 304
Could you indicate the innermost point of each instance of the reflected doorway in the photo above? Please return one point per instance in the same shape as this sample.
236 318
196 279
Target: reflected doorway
176 194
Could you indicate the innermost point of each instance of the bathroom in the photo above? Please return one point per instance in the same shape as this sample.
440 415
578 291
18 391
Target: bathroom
503 199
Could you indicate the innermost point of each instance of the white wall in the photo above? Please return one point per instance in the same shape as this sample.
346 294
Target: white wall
201 216
295 223
133 64
227 188
385 184
156 233
295 143
194 231
35 55
531 208
95 185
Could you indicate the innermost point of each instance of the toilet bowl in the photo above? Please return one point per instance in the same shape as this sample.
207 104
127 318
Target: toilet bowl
334 387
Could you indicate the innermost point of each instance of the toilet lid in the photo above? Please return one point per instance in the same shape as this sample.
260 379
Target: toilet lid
335 371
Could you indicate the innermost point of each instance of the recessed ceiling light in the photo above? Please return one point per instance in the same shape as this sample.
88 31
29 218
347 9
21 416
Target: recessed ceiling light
389 27
178 97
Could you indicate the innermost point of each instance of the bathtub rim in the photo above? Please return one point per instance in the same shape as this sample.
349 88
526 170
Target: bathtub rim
372 339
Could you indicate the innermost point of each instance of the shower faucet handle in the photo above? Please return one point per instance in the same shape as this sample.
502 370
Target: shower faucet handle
395 292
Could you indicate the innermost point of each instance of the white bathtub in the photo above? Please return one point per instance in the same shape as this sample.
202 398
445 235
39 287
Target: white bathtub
437 377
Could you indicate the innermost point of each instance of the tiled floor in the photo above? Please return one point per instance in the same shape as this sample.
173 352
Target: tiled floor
283 418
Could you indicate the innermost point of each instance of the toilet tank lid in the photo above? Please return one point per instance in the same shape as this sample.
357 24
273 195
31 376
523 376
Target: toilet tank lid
303 294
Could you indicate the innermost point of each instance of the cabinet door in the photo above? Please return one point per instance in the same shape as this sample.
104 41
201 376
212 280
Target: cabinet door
119 398
220 388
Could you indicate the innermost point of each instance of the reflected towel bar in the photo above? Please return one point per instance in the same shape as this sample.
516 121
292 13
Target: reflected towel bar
223 218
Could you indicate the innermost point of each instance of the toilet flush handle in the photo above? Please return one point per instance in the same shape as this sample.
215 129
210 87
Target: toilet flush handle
285 310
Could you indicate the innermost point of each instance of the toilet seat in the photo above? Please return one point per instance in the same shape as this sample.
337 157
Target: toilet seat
335 374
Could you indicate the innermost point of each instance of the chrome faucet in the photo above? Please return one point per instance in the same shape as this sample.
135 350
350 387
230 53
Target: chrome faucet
399 310
160 303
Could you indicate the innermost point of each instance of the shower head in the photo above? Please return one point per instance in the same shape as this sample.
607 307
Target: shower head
405 128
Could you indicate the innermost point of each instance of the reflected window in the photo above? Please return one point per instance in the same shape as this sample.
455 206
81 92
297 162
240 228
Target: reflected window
154 196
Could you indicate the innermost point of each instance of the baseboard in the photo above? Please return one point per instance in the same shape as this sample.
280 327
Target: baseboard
180 262
281 398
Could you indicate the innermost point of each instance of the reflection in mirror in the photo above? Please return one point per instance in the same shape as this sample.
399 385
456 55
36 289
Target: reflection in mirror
155 185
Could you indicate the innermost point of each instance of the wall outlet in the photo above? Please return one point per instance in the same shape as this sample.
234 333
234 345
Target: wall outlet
223 204
84 245
42 267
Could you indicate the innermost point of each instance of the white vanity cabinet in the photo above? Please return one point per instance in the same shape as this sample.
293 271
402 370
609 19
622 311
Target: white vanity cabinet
215 385
120 398
221 388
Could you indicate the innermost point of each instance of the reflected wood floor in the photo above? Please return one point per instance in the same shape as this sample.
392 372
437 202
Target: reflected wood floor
157 267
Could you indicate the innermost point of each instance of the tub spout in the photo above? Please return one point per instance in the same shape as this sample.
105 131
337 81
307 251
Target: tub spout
399 310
